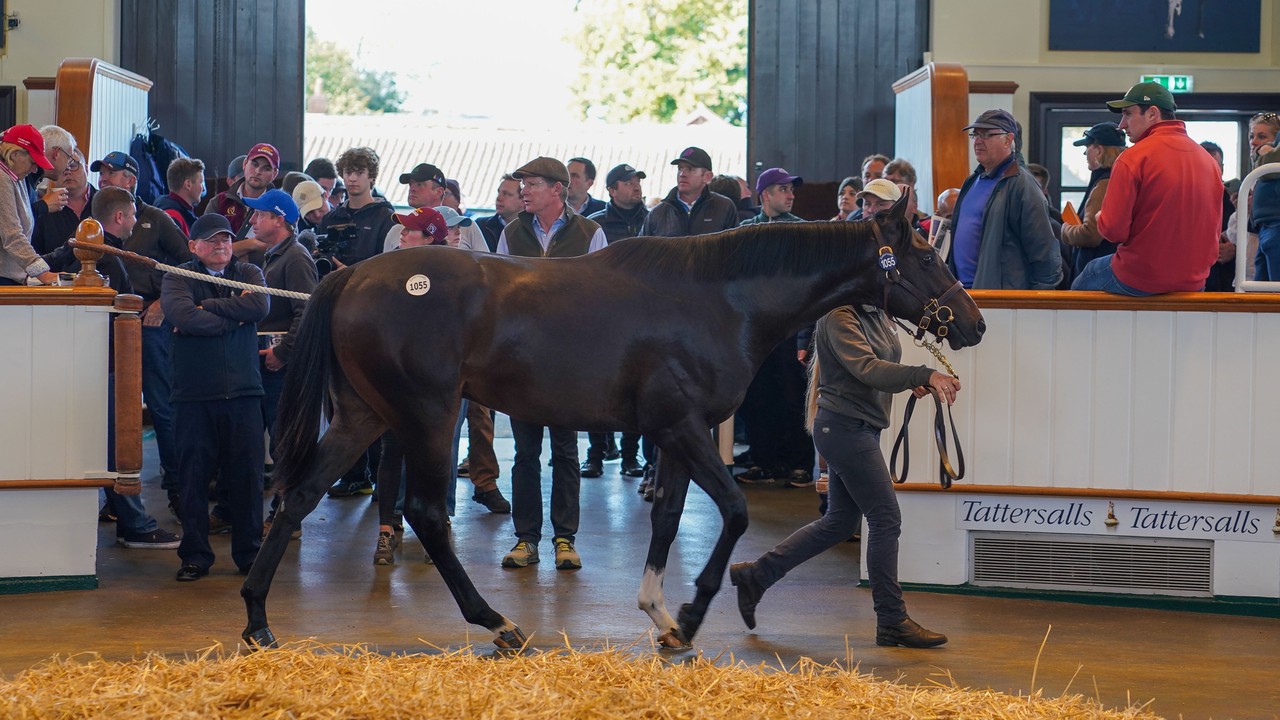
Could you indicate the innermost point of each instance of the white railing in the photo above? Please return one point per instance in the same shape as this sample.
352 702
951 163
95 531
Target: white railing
1242 232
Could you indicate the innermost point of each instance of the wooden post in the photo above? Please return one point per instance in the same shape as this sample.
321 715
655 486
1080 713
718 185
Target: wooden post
128 373
90 233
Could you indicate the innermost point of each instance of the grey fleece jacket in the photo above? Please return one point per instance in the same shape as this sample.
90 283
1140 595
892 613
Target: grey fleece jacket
858 359
18 259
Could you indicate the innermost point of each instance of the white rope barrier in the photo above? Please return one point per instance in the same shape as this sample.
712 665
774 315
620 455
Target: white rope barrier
232 283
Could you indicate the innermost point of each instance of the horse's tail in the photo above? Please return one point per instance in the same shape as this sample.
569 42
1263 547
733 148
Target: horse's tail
306 384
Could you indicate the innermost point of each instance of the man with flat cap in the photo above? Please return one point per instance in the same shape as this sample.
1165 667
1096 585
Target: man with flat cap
547 228
691 208
1163 207
1002 238
1102 145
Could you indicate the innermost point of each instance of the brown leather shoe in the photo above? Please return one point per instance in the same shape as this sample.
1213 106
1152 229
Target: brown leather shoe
908 633
743 577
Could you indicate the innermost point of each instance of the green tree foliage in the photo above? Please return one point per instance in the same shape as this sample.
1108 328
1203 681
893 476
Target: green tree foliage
657 59
351 90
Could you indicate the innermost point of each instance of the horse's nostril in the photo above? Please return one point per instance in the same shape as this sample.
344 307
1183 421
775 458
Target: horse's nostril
981 326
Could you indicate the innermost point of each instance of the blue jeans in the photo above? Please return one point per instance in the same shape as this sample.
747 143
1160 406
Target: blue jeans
1097 275
157 346
859 484
1267 262
526 482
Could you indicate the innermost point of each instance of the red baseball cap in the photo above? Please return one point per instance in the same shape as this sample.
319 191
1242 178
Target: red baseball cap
28 138
428 221
265 150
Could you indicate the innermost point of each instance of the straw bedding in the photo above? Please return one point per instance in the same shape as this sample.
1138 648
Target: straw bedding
310 680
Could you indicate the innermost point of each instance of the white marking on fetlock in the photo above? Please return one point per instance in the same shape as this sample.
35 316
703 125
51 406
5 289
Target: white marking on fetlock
652 601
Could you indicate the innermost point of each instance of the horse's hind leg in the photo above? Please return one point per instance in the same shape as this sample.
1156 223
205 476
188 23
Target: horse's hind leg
430 469
671 488
696 451
353 429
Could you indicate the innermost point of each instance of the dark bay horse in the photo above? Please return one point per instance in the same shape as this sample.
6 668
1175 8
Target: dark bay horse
659 336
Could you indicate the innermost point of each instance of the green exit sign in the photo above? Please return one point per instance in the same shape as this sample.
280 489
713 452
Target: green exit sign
1174 83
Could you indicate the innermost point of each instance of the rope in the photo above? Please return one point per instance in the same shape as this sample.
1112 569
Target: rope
142 259
232 283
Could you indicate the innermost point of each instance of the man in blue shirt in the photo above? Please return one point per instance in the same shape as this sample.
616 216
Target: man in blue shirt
1002 238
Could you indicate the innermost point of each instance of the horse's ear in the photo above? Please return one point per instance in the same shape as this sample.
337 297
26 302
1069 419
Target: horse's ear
899 209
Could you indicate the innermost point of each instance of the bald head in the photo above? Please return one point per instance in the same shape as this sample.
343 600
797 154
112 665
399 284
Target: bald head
947 202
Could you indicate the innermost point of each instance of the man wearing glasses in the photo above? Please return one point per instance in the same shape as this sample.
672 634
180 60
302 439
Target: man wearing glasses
1002 237
217 406
44 187
546 228
54 227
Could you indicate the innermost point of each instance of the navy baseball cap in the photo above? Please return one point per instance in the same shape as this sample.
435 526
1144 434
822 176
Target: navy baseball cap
116 161
275 201
206 226
1104 133
622 172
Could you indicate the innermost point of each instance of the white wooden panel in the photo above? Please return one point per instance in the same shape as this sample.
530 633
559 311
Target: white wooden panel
61 523
1153 382
52 376
991 460
1113 392
1032 380
16 361
1233 389
1192 402
1071 455
913 137
119 112
86 449
1264 407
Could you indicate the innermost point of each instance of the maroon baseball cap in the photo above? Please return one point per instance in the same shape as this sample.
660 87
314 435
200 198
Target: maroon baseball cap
265 150
428 221
28 138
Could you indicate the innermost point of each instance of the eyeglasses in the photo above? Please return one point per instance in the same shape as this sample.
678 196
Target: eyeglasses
74 164
985 135
532 184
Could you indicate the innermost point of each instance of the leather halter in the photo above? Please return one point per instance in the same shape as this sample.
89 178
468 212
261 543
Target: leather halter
935 317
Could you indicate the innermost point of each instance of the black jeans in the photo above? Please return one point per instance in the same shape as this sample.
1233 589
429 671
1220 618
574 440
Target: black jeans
526 482
859 480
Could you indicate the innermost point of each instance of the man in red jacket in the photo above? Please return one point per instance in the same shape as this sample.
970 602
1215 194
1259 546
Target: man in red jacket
1163 206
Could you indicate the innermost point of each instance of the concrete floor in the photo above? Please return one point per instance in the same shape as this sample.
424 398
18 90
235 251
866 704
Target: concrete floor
1187 664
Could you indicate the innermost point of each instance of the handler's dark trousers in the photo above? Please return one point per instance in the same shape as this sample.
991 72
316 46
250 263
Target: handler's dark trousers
222 435
526 482
859 480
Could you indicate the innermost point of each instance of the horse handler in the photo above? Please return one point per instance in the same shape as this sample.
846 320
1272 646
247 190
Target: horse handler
855 371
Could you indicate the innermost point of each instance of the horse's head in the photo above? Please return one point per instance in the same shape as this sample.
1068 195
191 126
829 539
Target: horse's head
919 288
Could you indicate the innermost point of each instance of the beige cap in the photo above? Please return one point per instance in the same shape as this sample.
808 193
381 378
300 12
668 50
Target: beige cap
309 196
883 189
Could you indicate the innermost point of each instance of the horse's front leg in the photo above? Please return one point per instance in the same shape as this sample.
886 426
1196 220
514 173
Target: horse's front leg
693 445
672 486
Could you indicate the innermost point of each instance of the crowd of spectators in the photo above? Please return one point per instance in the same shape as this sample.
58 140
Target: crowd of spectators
1155 218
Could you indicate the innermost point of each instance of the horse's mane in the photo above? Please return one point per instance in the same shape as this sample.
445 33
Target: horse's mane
763 250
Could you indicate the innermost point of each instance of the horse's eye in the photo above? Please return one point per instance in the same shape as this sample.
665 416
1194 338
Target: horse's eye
927 258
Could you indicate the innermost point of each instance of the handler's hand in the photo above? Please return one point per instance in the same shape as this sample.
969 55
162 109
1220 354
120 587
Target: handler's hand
945 386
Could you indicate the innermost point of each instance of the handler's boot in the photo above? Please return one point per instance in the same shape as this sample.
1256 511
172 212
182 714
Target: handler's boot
908 633
743 577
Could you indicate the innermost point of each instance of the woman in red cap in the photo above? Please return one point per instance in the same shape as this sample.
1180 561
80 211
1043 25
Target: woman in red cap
21 151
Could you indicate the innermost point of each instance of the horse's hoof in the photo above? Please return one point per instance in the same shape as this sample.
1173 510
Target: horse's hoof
689 620
512 639
674 639
260 639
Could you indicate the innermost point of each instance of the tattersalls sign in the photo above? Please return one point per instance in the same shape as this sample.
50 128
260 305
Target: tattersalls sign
1135 518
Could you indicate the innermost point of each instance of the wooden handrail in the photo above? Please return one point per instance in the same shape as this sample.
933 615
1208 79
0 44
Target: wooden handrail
1172 302
1170 495
56 296
57 484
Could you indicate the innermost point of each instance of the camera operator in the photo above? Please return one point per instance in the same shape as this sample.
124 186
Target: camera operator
354 230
